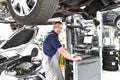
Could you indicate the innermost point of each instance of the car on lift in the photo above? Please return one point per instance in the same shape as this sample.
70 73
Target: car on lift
33 12
112 18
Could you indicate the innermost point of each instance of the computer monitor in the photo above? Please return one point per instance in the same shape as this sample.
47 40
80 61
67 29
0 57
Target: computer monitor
87 39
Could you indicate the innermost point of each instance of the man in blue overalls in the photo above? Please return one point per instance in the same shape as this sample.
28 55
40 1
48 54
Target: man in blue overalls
50 58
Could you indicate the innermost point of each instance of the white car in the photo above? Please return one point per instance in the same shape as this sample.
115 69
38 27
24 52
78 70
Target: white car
33 12
20 57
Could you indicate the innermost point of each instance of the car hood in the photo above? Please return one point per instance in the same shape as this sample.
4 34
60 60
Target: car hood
19 40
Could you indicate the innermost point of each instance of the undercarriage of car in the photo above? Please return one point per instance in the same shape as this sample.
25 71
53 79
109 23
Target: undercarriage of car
33 12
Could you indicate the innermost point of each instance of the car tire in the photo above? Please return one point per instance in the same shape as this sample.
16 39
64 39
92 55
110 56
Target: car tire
39 12
108 48
110 63
109 53
111 68
110 58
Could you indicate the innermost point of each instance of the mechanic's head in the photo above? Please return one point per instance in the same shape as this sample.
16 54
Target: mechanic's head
58 27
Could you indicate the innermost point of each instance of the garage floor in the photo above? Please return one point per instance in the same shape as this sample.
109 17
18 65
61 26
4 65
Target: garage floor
108 75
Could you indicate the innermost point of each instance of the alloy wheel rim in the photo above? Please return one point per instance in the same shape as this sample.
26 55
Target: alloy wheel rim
23 7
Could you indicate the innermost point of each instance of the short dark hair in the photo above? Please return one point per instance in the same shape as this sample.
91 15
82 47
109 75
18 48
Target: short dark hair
58 22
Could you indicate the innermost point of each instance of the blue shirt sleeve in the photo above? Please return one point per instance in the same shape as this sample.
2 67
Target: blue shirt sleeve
54 41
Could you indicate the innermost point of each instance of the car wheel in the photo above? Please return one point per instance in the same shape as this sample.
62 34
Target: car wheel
117 22
32 12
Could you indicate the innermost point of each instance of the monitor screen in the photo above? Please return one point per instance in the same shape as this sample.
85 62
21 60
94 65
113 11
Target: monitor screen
87 39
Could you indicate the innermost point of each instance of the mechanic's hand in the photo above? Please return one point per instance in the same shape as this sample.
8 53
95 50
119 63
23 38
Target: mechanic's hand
76 58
